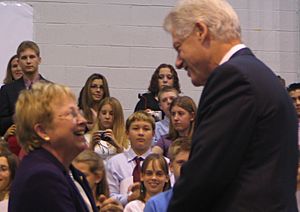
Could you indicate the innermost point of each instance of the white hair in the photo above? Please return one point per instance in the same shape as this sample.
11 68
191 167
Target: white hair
218 15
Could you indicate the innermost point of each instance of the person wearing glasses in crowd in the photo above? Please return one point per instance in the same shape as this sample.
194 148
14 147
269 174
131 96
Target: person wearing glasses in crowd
164 75
108 136
94 90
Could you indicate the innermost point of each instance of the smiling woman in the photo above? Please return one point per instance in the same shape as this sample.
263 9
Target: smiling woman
51 130
8 166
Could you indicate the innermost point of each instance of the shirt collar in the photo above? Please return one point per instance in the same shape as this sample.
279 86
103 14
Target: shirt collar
29 82
231 52
131 154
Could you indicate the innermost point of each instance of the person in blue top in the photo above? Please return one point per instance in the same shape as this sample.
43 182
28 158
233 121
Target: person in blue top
179 152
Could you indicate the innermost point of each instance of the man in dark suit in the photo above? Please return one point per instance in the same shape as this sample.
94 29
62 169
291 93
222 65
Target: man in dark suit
29 60
244 149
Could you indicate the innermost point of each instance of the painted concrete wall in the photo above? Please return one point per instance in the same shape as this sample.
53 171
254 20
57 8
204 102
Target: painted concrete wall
124 40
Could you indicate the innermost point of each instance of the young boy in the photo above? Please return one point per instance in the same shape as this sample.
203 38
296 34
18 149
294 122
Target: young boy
122 168
179 152
165 98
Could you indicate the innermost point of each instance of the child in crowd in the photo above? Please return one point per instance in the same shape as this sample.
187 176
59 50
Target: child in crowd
94 90
154 179
179 152
165 97
164 75
92 166
8 166
108 136
123 169
183 111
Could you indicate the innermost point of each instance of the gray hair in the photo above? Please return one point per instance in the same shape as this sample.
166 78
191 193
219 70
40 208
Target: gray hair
218 15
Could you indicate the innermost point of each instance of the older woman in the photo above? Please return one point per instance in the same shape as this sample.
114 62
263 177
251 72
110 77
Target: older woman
51 130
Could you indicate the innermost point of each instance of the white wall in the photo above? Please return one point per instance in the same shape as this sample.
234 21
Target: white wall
124 40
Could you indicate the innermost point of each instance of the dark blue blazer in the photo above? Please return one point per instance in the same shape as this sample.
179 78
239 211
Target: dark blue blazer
8 97
42 184
244 149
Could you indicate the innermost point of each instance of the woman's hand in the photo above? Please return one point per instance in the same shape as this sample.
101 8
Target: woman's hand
134 191
109 205
10 131
96 137
112 140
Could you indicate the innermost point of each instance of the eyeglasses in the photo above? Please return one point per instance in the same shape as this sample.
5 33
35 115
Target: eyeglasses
168 76
96 87
73 114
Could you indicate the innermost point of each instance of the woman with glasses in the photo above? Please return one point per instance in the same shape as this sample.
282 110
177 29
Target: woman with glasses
94 90
108 136
51 130
164 75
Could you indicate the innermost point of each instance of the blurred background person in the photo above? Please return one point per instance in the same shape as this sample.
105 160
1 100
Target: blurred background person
92 166
164 75
108 136
8 166
13 70
51 130
94 90
154 179
165 97
294 92
182 111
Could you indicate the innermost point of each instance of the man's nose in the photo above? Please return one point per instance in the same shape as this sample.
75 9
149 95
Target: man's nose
179 62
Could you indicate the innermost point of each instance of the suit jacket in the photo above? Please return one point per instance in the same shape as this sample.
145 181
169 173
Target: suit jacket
8 97
244 149
42 184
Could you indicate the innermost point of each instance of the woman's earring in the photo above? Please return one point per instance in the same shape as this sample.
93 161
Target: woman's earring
47 138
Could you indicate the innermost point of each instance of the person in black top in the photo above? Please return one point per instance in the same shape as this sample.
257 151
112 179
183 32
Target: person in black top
164 75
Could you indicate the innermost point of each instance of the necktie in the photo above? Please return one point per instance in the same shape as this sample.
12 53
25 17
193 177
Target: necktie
30 85
137 169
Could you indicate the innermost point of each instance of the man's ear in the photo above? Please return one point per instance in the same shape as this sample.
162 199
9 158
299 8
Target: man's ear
201 31
41 131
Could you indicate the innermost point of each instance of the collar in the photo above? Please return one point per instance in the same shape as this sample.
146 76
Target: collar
231 52
28 82
130 154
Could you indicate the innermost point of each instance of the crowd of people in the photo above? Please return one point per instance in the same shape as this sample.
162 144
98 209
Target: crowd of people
236 151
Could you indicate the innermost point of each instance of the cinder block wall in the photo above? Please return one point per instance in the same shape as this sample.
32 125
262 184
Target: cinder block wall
124 40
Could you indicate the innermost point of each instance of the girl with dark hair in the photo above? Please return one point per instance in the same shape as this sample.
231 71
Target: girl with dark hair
94 90
154 179
8 166
164 75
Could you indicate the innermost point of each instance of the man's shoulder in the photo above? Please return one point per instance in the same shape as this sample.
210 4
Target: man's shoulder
13 85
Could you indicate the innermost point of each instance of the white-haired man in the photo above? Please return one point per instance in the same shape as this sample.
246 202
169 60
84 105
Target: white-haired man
244 150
